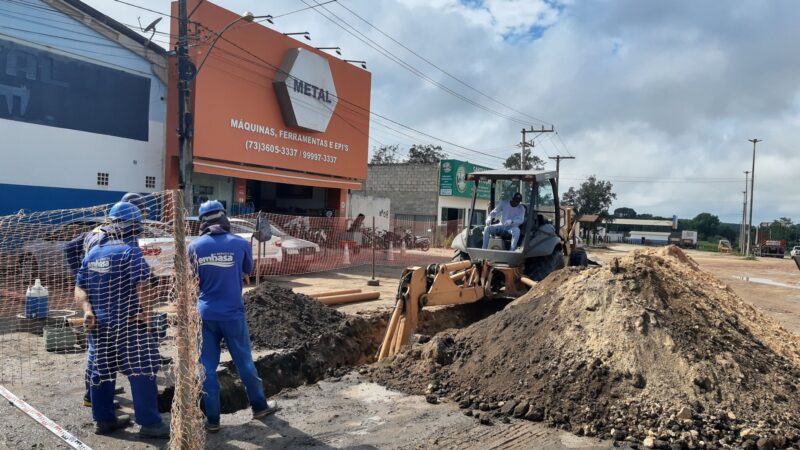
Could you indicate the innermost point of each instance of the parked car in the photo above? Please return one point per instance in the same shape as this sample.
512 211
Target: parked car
271 254
795 251
296 254
291 254
44 257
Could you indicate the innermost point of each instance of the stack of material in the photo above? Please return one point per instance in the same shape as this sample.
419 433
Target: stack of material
648 349
281 319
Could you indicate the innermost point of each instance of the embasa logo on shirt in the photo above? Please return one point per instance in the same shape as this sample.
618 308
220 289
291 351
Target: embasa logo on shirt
224 260
102 265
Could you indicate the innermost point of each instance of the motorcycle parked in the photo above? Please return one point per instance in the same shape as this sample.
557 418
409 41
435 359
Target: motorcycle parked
421 242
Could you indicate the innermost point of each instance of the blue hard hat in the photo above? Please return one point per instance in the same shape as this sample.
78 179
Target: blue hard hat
138 200
130 197
210 207
125 212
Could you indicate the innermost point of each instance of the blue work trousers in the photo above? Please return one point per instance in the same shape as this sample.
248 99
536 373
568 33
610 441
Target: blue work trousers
237 338
144 391
500 228
129 350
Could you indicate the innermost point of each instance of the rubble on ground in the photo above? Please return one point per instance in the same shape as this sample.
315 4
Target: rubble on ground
648 349
279 318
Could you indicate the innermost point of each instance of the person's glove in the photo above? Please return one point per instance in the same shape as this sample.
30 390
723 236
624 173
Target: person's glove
508 223
488 221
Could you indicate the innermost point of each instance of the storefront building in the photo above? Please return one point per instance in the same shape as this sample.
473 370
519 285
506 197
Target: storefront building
428 196
455 195
82 107
278 126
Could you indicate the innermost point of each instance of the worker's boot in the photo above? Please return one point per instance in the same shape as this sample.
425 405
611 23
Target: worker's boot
158 431
123 420
272 406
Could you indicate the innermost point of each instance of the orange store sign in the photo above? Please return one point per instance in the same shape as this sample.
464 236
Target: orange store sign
267 100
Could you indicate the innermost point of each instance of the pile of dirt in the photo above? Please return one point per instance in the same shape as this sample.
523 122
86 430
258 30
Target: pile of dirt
279 318
648 349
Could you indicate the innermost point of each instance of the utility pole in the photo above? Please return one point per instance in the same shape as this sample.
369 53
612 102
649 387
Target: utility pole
743 230
186 72
752 183
558 159
525 143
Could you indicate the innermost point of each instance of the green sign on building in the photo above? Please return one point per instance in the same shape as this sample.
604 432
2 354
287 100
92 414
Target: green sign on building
453 179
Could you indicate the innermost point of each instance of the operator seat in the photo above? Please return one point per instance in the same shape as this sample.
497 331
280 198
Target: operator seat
506 236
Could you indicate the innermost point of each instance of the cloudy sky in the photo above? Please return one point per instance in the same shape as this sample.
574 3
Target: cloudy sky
660 98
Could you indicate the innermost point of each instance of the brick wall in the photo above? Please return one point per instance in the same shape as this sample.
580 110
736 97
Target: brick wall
412 188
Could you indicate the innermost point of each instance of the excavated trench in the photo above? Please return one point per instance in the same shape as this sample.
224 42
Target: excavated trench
353 342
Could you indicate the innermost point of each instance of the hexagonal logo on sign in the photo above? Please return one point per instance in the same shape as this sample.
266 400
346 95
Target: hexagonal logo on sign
305 89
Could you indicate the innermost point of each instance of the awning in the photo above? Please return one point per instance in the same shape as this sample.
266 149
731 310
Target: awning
273 175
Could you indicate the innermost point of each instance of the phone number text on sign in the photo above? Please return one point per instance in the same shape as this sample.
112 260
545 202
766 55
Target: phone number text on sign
319 157
269 148
262 147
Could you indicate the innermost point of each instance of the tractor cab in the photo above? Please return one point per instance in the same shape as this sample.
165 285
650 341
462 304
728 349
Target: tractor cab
538 233
478 273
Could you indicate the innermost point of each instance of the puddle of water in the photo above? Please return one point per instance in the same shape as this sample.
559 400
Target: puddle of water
370 393
766 281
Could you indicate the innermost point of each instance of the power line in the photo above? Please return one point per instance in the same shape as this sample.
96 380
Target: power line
439 68
655 180
145 9
299 10
77 20
383 51
372 113
61 49
236 70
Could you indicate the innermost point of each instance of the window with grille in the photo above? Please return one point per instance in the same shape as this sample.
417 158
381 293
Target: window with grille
102 178
150 182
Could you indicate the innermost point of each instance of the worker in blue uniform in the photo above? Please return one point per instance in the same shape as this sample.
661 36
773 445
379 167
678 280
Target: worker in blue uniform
220 260
111 288
76 249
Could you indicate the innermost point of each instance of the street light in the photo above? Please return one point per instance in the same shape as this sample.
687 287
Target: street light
247 17
362 63
752 182
186 73
305 34
336 49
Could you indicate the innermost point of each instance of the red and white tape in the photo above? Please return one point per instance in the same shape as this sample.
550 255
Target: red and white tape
42 420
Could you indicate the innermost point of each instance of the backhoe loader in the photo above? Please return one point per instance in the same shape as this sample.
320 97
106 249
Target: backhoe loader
494 272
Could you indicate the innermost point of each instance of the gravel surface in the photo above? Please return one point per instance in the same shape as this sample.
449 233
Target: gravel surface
648 349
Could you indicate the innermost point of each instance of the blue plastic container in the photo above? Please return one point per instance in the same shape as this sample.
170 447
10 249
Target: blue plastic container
36 301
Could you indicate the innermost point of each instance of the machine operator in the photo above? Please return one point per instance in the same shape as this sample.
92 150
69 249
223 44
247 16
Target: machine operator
511 215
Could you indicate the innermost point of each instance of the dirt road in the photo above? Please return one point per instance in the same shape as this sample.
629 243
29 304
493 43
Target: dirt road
351 413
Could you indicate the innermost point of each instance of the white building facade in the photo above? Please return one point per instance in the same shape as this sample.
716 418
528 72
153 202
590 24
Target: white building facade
82 107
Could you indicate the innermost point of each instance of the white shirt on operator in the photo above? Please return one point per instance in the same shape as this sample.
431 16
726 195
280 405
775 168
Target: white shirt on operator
514 214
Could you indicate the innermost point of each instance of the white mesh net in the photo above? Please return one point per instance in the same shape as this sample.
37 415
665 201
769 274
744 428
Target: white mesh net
144 299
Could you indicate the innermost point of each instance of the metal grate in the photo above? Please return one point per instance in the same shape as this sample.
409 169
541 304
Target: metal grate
102 178
150 182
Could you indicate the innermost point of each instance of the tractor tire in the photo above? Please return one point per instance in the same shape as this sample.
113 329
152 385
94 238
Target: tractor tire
578 258
538 268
